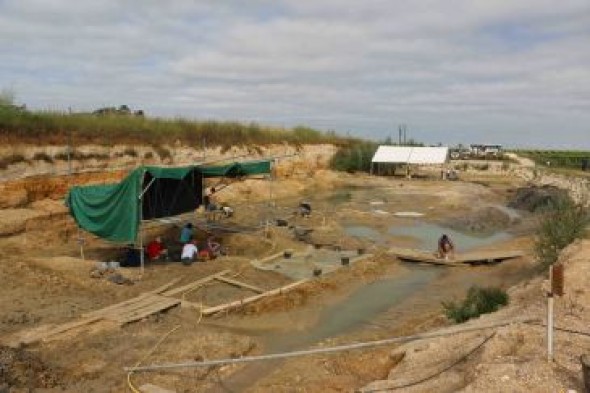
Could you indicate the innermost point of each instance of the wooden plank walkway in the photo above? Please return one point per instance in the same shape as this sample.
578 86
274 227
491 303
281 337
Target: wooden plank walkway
459 259
146 304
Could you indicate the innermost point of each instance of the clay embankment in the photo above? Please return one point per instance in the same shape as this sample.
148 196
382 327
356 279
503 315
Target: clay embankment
35 178
578 187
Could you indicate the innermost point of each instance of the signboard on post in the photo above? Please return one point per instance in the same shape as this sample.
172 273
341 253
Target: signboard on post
557 279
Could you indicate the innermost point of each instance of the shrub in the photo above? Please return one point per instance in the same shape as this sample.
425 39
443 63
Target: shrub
477 302
131 152
163 152
563 222
11 159
42 156
148 155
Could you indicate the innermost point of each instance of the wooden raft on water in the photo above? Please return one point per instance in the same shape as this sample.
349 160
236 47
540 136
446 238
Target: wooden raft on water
459 259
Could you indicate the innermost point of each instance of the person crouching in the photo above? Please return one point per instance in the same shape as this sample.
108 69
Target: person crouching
189 252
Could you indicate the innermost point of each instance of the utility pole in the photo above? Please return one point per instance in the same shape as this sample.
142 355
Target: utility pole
405 129
400 135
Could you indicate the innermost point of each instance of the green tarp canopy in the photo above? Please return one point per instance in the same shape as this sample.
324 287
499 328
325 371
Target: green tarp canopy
114 211
237 169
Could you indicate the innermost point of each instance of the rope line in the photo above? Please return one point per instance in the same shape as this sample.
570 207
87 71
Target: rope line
436 374
314 351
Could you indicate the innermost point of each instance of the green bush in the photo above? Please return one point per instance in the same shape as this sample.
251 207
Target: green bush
354 158
478 301
563 222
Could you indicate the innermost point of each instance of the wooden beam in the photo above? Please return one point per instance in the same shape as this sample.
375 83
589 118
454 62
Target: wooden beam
240 284
241 302
132 301
160 303
166 286
269 258
192 305
194 284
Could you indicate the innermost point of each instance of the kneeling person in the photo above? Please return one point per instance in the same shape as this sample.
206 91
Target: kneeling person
189 252
156 249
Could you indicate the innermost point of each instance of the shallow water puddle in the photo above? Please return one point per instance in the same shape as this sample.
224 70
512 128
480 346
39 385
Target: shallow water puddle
358 309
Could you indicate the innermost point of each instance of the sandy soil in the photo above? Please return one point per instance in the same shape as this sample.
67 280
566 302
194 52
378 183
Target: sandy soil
46 282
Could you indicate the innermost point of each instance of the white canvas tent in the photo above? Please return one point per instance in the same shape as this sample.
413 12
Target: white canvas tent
410 155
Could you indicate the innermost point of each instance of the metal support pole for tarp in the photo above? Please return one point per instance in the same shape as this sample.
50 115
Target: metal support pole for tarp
81 243
140 229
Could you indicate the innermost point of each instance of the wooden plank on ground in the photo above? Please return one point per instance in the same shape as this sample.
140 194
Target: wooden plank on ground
45 334
241 302
192 305
161 304
240 284
118 307
130 302
459 259
141 303
269 258
194 284
166 286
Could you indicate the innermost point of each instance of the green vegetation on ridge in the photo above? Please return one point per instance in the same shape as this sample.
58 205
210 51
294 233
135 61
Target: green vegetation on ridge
17 124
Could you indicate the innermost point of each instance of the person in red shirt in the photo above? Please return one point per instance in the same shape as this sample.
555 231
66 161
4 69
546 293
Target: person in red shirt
156 249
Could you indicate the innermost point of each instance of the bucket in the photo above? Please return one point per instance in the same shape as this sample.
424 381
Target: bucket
288 254
360 251
317 272
345 261
317 246
102 266
114 265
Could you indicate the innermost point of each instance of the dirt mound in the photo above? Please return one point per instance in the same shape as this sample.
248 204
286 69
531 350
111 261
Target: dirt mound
536 198
484 220
22 369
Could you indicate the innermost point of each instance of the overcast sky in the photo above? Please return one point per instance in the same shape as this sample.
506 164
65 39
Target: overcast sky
514 72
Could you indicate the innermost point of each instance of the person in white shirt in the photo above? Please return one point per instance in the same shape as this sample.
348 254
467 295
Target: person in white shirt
189 252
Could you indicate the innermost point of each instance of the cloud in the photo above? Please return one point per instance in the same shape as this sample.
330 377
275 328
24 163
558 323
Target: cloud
457 71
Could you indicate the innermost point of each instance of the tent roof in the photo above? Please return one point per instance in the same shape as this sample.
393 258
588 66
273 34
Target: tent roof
113 211
411 155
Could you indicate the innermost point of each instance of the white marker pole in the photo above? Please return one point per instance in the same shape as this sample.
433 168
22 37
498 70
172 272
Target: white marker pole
550 317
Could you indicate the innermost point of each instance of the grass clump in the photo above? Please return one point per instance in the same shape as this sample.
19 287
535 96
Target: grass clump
563 222
478 301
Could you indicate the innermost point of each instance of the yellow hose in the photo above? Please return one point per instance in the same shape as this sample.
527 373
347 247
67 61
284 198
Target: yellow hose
150 352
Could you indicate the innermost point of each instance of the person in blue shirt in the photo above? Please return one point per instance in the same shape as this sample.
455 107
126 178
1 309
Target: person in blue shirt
187 233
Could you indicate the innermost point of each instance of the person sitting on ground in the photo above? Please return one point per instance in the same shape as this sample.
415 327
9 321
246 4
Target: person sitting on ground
189 252
445 247
213 247
187 233
156 249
